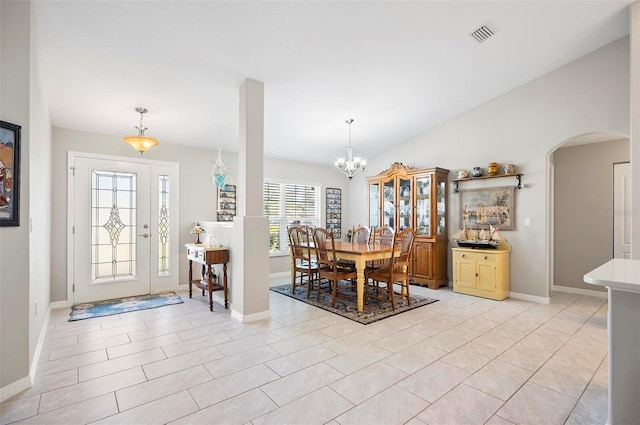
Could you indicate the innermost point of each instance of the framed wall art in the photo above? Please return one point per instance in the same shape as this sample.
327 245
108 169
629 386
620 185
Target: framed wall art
494 206
334 211
9 174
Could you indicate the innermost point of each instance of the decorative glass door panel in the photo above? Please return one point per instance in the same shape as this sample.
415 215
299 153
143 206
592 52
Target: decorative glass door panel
113 225
374 205
441 198
389 204
164 263
404 203
423 206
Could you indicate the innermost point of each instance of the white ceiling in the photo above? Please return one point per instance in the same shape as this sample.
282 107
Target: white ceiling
397 68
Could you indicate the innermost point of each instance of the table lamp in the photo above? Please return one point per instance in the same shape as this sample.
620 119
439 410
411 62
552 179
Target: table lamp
197 230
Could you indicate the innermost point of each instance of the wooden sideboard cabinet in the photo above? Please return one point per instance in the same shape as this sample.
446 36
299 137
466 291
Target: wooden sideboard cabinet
482 272
207 257
403 197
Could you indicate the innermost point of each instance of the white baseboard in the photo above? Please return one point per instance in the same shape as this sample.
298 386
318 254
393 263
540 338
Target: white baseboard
532 298
41 338
280 274
247 318
14 388
580 291
59 304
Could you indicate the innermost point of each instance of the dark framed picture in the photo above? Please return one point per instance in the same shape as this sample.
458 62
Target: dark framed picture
334 211
494 206
9 174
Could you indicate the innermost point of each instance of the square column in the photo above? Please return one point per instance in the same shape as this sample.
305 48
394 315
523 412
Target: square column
250 254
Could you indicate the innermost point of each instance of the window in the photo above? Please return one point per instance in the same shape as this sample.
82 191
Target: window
286 205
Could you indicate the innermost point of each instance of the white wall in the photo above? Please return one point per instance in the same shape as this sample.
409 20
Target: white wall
24 259
583 205
197 195
634 35
39 200
521 127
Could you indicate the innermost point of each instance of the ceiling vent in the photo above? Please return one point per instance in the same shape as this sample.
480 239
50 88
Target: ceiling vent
483 33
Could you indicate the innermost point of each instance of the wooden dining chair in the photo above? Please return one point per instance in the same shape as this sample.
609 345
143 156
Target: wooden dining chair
328 267
379 282
382 236
303 263
359 234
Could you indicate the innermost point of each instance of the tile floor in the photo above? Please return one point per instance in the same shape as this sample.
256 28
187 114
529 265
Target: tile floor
463 360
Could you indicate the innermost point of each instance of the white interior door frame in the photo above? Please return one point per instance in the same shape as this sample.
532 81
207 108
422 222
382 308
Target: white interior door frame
622 210
158 283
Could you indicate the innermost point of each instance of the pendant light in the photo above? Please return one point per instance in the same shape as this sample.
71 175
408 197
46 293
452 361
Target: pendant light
141 143
350 165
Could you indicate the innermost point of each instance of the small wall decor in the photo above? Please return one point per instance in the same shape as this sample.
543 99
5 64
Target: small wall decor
334 211
493 206
226 202
9 174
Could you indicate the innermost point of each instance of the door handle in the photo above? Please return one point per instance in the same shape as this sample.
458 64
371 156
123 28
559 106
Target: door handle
144 235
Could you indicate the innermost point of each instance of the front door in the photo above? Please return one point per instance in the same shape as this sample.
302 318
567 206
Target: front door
122 240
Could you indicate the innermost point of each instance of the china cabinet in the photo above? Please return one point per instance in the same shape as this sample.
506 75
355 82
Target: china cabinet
403 197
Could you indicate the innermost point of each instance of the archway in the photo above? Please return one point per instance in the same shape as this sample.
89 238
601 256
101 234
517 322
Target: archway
580 207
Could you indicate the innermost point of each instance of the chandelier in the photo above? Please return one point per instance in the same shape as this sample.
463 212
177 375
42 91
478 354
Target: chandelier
141 143
350 165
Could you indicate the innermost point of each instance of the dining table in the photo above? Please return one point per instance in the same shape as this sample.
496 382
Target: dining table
360 253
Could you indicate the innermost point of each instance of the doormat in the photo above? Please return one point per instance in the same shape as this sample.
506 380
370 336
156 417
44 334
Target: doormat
122 305
374 311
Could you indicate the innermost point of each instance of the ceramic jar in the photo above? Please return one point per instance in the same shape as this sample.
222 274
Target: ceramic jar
509 169
477 172
493 168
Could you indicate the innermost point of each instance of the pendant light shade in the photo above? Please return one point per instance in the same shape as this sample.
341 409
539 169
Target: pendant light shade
141 143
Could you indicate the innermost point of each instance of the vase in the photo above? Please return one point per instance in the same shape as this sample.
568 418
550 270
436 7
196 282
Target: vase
509 169
493 168
477 172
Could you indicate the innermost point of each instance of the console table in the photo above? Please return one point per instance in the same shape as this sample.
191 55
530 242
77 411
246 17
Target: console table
622 278
208 257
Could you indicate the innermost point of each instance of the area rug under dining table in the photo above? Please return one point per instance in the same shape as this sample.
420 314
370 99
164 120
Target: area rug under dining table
374 311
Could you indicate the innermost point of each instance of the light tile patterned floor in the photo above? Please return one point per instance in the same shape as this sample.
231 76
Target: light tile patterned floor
462 360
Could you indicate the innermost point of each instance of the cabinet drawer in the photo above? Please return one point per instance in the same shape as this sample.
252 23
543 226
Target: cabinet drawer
480 257
196 254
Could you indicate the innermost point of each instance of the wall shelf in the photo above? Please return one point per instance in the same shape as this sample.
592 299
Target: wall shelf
497 176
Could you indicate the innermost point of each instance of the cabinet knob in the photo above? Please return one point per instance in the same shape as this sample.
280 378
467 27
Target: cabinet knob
463 255
485 257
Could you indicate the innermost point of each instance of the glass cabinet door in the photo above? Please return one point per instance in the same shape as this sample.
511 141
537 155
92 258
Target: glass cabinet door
374 205
404 204
441 197
389 204
423 206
